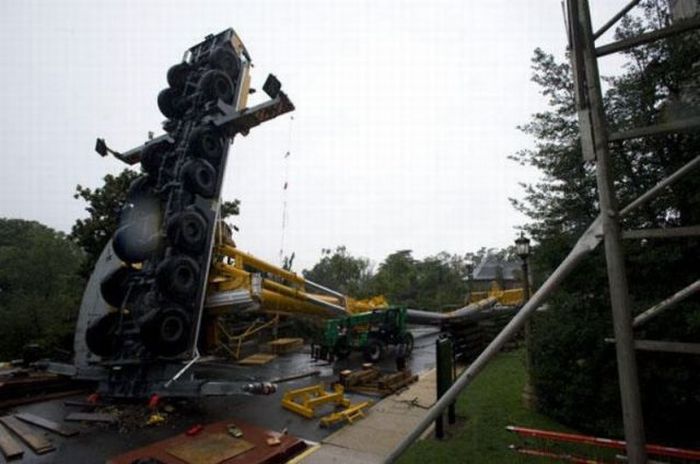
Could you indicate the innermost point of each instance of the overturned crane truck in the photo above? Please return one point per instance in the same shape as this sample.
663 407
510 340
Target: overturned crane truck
139 325
153 299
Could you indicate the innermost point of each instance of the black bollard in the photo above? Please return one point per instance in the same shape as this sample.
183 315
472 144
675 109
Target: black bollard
445 377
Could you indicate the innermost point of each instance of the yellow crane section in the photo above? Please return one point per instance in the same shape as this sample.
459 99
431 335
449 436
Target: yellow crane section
239 278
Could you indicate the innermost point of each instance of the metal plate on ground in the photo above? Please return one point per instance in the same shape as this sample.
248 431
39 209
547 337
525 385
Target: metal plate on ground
210 449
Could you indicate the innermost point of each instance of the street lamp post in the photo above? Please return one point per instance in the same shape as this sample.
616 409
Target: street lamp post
522 249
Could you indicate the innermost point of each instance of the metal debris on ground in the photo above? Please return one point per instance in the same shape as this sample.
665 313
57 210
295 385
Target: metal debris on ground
304 401
351 414
155 419
234 431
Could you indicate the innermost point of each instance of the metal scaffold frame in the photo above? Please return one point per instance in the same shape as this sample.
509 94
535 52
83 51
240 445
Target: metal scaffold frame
606 228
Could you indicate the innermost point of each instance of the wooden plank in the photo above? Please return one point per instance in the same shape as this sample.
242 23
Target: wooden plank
47 424
647 37
91 417
670 232
678 125
5 404
666 304
615 19
38 443
285 345
80 404
287 341
665 347
10 447
257 359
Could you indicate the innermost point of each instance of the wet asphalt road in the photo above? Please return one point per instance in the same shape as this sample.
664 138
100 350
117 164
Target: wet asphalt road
98 442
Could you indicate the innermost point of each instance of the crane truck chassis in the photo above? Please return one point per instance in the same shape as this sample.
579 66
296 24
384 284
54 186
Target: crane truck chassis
154 275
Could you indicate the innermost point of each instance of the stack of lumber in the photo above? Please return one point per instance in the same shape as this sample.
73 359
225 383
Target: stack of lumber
257 359
285 345
22 426
371 381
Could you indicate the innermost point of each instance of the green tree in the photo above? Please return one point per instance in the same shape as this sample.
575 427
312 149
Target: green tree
573 368
103 206
434 283
39 287
441 281
397 279
342 272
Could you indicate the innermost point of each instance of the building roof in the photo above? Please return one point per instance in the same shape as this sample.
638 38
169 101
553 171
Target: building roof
492 268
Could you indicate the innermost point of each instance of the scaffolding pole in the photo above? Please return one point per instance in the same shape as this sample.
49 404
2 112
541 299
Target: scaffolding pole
597 146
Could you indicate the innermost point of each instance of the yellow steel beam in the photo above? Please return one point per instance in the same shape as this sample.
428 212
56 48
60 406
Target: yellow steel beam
243 258
351 414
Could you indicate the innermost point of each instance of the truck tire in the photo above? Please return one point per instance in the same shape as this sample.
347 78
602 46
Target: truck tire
177 75
342 351
199 177
100 335
373 351
167 332
216 85
170 104
206 143
224 59
177 278
114 287
188 231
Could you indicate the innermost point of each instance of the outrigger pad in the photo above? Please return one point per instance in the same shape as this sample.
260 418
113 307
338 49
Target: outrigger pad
272 86
101 147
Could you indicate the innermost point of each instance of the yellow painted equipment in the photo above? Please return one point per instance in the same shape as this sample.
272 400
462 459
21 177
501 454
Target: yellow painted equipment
232 343
512 297
278 290
304 401
351 414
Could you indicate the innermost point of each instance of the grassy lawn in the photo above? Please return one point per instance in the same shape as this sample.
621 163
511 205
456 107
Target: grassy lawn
484 409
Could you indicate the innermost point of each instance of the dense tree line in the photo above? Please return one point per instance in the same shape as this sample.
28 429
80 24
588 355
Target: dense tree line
43 272
433 283
574 369
40 288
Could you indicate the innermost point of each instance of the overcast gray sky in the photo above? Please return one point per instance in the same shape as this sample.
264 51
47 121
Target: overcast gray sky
406 113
